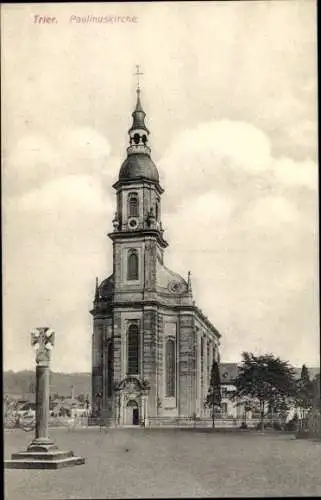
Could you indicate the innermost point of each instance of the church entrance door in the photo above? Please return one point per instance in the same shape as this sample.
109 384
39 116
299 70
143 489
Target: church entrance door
135 416
132 413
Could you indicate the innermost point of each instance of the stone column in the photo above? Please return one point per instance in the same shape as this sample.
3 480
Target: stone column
210 372
42 453
186 365
211 361
44 343
42 402
145 408
205 375
198 371
117 407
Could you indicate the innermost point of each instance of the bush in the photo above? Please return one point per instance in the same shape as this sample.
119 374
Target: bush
314 423
269 425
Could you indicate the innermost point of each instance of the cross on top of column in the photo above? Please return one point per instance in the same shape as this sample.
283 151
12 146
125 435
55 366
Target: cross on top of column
43 340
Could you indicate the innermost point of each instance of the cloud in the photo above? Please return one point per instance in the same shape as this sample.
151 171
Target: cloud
247 231
211 149
64 195
234 160
83 150
302 174
271 212
36 159
238 143
54 245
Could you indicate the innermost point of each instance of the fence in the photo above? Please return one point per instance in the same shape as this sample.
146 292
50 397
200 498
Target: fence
152 422
190 422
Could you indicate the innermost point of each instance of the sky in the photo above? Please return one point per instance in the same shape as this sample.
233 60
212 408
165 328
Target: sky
230 92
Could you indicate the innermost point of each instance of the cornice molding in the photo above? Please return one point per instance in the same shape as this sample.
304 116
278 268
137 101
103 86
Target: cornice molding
141 305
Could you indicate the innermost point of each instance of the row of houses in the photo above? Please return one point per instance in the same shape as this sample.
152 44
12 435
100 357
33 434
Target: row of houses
72 407
68 407
235 409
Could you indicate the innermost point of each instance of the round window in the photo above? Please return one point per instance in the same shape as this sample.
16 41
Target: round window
132 223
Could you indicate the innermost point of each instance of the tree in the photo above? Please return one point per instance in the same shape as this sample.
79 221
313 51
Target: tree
265 378
316 391
214 397
304 394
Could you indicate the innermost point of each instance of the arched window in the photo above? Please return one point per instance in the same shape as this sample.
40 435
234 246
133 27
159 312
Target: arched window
109 369
132 265
170 353
133 350
157 210
133 205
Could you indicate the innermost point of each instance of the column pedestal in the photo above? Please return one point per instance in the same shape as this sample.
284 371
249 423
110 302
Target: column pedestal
54 459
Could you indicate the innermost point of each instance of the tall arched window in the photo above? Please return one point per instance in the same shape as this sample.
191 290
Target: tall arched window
202 356
133 350
157 210
170 353
132 265
133 207
208 360
109 369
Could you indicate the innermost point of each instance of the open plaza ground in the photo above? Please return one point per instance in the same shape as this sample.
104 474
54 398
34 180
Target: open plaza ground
160 463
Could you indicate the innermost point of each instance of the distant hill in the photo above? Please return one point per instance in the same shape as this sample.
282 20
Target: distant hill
23 383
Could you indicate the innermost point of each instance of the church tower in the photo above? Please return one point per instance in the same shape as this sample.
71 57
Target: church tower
138 235
148 349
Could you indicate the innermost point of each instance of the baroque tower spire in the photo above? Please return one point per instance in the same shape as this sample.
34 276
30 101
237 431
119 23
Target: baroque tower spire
138 132
138 188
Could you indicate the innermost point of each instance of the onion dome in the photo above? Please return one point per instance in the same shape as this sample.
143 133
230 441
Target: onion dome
138 164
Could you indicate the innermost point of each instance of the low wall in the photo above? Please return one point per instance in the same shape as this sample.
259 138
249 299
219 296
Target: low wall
199 423
153 422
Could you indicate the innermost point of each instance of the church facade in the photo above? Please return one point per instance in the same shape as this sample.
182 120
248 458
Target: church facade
152 347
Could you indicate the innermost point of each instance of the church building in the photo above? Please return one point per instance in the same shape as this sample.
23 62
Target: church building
152 347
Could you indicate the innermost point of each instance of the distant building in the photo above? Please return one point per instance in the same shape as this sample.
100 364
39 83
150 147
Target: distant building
229 408
235 408
152 347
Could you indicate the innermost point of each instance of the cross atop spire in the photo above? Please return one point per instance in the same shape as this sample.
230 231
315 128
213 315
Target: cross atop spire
138 74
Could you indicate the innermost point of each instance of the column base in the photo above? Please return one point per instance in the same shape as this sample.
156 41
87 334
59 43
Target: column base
42 444
43 454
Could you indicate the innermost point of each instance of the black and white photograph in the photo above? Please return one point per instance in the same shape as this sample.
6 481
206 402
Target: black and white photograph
160 242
